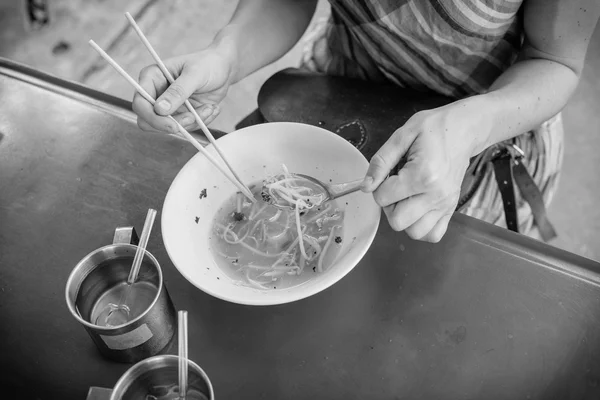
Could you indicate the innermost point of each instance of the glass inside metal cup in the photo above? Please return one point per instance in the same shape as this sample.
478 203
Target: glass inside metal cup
156 378
96 285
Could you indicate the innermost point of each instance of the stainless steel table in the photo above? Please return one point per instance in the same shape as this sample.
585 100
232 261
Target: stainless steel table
485 314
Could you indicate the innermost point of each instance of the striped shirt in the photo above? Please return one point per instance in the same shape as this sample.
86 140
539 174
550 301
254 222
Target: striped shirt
457 48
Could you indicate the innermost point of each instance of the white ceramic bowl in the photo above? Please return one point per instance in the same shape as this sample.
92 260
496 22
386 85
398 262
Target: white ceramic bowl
256 152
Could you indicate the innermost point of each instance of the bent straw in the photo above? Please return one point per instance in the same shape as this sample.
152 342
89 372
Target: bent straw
141 250
187 103
181 129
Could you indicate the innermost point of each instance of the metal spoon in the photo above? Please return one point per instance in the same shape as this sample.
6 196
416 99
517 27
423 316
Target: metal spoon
330 191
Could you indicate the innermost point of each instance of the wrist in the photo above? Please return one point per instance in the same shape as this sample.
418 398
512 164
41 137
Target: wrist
226 45
479 111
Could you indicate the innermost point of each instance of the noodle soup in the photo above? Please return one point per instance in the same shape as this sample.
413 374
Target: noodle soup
266 247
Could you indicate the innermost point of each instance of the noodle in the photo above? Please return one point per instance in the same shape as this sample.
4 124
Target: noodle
269 247
300 236
236 239
316 217
325 248
255 241
289 192
253 282
253 215
314 244
288 250
252 249
276 216
302 264
251 231
263 231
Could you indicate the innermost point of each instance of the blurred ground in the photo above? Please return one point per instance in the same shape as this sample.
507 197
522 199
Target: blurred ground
175 27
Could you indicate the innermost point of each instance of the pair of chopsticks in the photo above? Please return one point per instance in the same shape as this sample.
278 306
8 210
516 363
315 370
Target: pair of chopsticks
233 177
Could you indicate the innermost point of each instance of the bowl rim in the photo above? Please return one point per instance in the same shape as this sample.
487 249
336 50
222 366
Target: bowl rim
266 300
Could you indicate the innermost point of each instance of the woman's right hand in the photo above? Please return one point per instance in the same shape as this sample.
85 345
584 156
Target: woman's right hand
203 78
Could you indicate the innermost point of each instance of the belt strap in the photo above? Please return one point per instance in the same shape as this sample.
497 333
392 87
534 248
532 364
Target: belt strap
532 195
503 172
508 167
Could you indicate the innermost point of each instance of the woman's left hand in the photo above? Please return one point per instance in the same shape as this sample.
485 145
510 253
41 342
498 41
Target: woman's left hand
437 145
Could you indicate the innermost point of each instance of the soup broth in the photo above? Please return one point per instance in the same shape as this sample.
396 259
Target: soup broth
258 244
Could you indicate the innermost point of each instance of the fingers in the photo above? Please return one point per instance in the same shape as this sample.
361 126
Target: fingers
179 91
153 81
207 112
424 225
387 157
419 175
143 125
430 227
216 110
147 119
439 230
415 216
399 187
406 212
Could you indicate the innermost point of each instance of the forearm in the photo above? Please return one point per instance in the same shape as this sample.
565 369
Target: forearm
260 32
522 98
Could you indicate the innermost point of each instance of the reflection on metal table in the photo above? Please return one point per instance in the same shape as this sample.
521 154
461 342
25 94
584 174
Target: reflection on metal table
486 313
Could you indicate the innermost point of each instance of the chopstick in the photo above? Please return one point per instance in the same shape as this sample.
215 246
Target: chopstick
187 103
181 129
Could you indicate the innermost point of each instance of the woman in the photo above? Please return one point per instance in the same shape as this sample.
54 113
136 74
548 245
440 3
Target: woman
511 65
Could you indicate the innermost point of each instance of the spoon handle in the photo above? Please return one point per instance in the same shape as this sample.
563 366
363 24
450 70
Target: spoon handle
342 189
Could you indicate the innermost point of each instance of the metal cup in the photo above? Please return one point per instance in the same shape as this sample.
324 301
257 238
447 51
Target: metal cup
157 376
100 273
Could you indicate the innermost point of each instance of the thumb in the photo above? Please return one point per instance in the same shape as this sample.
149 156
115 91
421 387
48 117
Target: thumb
386 158
179 91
